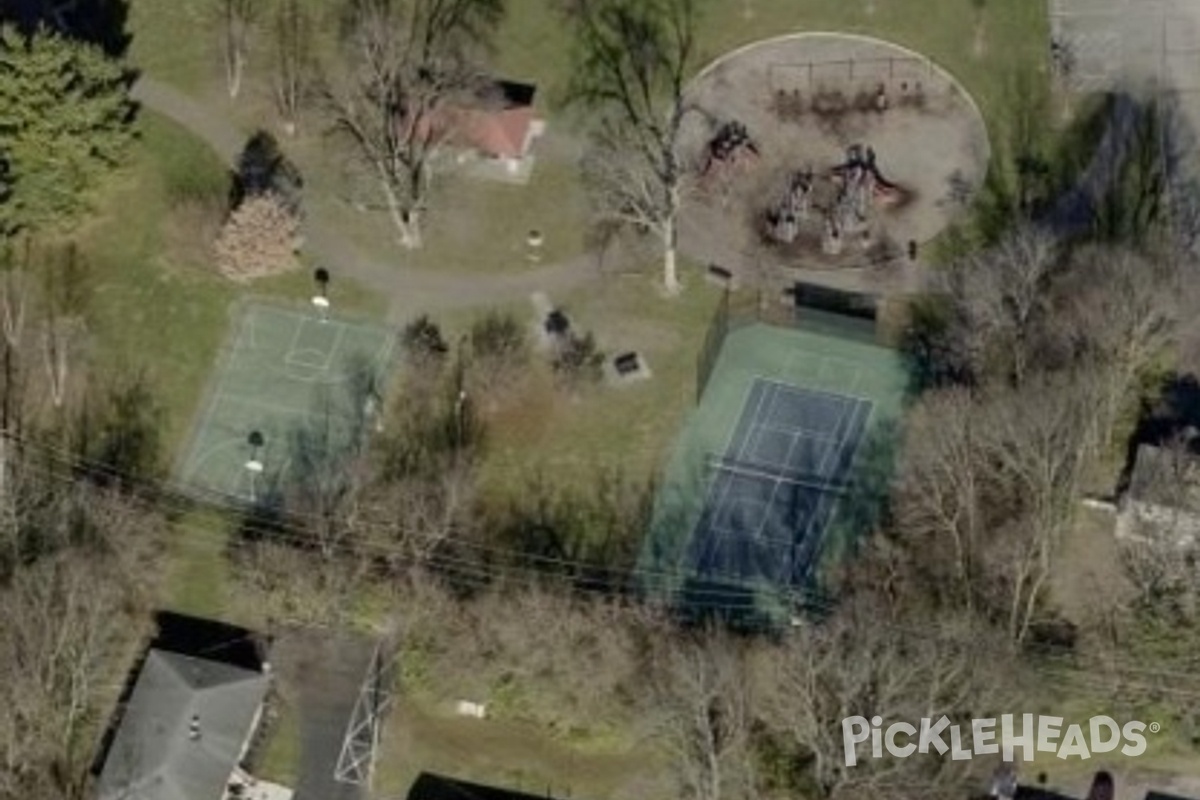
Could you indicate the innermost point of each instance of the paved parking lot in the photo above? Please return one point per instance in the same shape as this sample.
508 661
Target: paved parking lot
1141 50
1110 44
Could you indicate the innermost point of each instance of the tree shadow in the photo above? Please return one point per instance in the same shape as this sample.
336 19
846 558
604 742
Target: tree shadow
320 465
1104 176
263 168
929 358
584 535
1175 409
120 439
102 23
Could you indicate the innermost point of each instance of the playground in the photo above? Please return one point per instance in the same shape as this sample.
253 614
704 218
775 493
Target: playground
295 390
826 151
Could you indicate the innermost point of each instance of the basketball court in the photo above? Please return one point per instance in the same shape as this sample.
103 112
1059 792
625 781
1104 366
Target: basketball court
309 384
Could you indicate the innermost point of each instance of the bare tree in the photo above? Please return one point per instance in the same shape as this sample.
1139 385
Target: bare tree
864 661
13 305
1041 439
942 494
65 301
328 473
998 303
237 22
703 703
294 62
406 65
635 56
1121 313
68 611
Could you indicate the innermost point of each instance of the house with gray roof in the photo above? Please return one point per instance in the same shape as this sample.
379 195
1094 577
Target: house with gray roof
186 728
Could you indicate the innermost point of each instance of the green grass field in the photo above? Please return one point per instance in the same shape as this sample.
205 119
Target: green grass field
513 754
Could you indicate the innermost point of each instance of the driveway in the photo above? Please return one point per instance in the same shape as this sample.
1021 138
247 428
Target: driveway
322 671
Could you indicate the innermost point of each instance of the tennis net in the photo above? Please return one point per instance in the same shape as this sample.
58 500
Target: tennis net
772 473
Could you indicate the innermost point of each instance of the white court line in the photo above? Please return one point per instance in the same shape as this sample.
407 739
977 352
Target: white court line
720 501
853 463
337 345
827 393
262 406
820 499
758 535
292 345
327 352
792 431
840 401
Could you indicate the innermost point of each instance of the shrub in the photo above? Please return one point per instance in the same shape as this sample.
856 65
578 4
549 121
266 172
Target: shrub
499 336
499 351
261 169
577 360
260 238
423 343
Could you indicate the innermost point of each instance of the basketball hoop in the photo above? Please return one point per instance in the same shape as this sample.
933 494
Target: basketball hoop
321 303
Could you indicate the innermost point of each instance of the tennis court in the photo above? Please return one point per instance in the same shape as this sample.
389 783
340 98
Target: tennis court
772 493
779 470
311 386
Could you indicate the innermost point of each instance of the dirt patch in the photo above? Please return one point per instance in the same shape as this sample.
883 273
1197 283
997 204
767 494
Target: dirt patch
876 146
1089 582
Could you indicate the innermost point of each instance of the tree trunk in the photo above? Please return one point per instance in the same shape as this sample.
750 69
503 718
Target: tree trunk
411 237
55 353
670 273
407 221
234 73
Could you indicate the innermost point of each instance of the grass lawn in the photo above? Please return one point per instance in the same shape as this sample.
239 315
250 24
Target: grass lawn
199 576
624 428
418 737
475 226
158 313
279 762
481 226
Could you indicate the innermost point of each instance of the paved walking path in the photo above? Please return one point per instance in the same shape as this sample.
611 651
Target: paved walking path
409 291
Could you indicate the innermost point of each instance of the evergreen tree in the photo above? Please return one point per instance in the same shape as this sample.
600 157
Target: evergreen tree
65 120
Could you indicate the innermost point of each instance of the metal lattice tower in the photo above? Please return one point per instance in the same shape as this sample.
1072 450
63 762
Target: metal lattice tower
356 762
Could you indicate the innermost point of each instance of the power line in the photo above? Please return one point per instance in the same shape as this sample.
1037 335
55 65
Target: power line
482 574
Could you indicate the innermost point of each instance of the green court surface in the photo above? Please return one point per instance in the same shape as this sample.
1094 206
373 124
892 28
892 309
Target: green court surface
806 359
310 387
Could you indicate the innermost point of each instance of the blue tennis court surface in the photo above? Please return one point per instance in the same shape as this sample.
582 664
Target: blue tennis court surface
772 493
